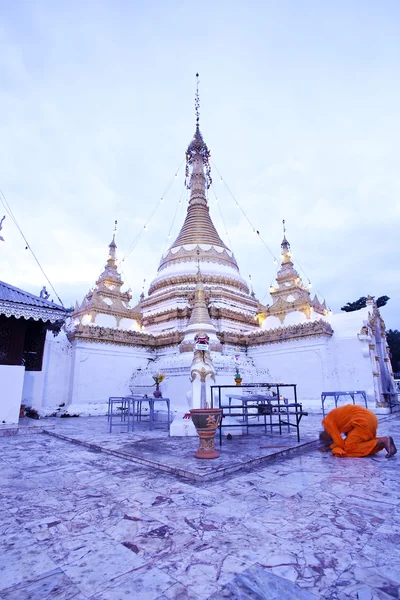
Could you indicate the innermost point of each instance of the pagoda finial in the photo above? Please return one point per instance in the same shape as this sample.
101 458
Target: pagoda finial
285 244
197 102
197 153
113 245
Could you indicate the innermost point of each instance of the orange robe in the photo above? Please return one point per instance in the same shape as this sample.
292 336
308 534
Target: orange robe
359 423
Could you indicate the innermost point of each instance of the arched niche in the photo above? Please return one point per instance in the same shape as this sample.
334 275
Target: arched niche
128 324
295 318
103 320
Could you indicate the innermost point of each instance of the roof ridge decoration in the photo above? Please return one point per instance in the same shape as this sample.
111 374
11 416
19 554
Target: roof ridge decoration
17 303
11 293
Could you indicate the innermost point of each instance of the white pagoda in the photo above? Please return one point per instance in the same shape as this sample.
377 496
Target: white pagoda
230 303
110 346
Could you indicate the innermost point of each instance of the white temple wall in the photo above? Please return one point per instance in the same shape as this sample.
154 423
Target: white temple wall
32 391
176 368
100 371
45 390
299 362
319 365
12 380
350 364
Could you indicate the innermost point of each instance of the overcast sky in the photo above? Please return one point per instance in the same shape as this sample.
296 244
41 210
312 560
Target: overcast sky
299 107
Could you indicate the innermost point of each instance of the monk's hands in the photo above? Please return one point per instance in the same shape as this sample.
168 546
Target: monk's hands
323 448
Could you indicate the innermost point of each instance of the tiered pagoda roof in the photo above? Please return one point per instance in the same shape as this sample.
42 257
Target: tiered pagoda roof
230 303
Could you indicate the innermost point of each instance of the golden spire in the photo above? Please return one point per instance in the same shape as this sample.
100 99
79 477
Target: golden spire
200 314
198 227
200 322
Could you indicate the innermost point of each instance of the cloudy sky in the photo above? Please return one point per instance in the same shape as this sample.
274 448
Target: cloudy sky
299 106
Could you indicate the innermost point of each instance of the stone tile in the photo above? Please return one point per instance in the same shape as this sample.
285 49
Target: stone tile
258 583
326 526
50 586
24 563
146 583
91 569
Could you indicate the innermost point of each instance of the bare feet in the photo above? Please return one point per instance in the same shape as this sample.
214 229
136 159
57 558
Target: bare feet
392 448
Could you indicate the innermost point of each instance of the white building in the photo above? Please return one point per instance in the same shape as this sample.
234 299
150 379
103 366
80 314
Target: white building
109 346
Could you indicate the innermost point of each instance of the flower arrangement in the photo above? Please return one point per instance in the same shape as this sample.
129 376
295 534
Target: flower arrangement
158 378
237 373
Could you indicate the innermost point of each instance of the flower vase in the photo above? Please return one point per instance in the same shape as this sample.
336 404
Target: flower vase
238 380
157 392
206 421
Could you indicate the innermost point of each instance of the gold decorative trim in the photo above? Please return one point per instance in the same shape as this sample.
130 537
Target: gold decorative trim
197 253
191 279
198 227
280 334
108 335
225 313
215 313
248 303
167 315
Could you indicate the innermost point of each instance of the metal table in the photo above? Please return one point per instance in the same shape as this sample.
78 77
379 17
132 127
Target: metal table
151 401
336 396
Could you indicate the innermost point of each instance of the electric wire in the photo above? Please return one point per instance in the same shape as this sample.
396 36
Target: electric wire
256 231
259 235
184 189
28 246
144 228
222 216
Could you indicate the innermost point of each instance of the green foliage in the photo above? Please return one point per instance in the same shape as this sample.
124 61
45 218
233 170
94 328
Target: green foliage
382 300
351 306
393 340
362 303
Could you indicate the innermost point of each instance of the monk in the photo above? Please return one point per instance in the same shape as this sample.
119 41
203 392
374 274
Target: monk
359 426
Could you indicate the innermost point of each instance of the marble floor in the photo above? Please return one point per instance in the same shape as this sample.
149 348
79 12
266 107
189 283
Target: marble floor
156 450
78 522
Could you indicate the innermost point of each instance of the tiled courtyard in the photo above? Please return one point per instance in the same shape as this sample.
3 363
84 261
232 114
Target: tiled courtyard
107 521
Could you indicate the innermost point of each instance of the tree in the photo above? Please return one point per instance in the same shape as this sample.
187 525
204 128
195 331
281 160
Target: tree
382 300
393 340
362 303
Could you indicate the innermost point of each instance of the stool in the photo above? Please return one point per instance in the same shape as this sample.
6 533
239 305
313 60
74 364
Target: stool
151 403
121 407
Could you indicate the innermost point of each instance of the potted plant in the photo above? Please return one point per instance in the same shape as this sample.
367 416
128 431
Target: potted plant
158 378
238 378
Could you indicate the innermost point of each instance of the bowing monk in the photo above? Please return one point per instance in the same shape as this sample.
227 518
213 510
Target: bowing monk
359 425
